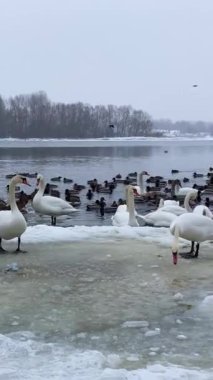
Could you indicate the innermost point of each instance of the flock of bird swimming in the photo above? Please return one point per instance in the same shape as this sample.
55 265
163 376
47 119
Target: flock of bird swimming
195 225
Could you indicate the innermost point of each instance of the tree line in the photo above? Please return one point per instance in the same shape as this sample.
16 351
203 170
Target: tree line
35 116
196 127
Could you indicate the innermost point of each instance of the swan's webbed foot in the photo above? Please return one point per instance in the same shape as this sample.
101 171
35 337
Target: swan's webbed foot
193 254
19 250
187 255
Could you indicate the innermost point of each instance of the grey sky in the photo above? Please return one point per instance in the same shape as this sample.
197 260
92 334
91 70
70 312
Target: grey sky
144 53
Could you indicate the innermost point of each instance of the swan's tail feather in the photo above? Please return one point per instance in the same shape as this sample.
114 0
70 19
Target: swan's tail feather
70 211
175 246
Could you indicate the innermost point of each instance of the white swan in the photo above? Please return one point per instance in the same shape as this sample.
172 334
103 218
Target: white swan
203 210
168 202
12 222
178 210
192 227
156 218
140 188
165 215
49 205
199 210
181 191
125 214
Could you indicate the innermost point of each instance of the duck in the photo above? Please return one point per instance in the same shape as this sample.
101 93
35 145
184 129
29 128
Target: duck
55 179
32 175
49 205
185 180
195 175
77 187
133 174
9 176
125 214
67 180
181 191
12 222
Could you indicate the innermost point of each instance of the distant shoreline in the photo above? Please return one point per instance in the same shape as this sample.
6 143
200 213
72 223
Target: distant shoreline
130 138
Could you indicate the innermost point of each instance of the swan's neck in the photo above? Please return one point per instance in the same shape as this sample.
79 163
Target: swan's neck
12 198
127 198
41 188
177 188
186 202
131 207
140 183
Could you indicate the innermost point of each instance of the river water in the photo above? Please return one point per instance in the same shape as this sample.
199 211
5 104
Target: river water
90 301
102 159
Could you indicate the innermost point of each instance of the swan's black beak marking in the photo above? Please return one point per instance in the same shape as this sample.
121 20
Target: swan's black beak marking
175 257
24 180
135 192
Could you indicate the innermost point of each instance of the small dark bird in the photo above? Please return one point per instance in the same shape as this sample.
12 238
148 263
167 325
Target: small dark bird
195 85
111 126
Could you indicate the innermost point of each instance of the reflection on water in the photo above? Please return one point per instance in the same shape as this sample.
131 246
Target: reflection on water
63 160
65 152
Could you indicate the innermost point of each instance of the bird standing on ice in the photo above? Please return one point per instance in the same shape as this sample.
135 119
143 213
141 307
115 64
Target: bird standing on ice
12 222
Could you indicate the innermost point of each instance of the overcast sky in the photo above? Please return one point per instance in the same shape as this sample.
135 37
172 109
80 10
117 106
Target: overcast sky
144 53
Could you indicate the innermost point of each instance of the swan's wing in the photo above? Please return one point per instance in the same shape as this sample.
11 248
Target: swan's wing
12 224
171 202
158 218
203 210
121 208
185 190
5 219
193 227
48 201
120 219
174 209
